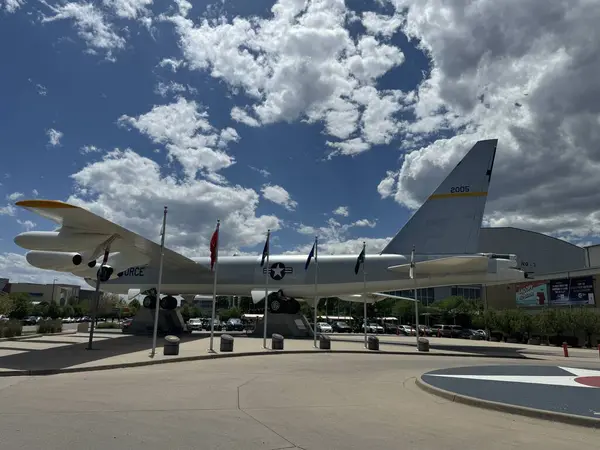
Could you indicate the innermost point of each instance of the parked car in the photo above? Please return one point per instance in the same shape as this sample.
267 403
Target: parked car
234 324
194 324
407 330
341 327
324 327
126 324
373 328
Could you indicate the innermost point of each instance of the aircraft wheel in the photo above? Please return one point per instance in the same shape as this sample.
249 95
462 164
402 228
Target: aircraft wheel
169 302
293 306
149 302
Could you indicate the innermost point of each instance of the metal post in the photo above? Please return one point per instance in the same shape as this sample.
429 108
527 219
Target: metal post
364 263
94 311
316 292
214 302
266 292
160 270
416 310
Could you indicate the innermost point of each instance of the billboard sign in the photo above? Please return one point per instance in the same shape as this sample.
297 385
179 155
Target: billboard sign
572 291
534 293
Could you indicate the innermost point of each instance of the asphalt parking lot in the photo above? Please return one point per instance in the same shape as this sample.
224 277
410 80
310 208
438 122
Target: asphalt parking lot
308 401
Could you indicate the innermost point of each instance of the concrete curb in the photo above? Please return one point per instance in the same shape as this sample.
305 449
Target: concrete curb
570 419
36 335
151 362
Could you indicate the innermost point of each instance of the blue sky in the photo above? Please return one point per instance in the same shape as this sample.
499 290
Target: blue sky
90 77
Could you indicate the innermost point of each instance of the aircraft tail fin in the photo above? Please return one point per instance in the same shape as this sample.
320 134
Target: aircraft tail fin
450 219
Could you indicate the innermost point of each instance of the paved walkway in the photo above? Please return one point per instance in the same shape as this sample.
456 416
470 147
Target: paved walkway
308 401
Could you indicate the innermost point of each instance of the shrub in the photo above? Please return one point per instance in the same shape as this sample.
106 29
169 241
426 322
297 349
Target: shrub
11 328
49 326
108 325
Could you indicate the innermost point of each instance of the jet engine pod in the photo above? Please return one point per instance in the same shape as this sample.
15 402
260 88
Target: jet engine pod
62 261
169 302
149 302
104 273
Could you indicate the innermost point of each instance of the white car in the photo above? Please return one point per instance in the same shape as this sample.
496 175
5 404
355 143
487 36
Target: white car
374 328
324 327
194 324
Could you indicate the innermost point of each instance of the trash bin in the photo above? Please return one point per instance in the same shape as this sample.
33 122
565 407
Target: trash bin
373 343
276 342
324 342
171 346
423 345
226 343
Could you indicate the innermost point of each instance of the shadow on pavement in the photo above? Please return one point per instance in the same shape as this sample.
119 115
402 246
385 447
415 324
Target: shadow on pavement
506 352
75 354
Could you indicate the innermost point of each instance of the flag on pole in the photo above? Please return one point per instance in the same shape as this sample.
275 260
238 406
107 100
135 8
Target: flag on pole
311 255
214 244
411 271
265 250
361 259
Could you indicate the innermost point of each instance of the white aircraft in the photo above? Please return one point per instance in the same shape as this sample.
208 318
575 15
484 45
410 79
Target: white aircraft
445 231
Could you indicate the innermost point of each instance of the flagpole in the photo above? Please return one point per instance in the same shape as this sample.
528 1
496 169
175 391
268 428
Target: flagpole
214 302
160 270
364 263
266 292
416 299
316 281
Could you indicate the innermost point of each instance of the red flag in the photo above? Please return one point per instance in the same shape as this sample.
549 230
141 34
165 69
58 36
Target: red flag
214 242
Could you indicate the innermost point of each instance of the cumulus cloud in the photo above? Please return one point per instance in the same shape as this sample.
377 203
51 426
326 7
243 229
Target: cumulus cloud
190 139
341 211
301 63
525 73
279 196
15 196
116 188
54 137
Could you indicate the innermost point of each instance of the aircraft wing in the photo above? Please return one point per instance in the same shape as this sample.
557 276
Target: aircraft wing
445 266
74 219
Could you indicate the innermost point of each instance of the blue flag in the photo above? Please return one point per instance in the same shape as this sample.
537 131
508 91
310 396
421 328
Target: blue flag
310 256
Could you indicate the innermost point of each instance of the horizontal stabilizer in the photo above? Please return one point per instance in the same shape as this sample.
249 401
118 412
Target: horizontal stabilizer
443 266
259 294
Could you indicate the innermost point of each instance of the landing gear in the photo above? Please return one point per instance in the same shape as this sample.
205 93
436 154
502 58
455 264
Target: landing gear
281 304
169 302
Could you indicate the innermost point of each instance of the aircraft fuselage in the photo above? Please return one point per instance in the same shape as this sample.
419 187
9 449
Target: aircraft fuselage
239 275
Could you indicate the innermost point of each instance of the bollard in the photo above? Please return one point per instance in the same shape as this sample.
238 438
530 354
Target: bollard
565 350
226 343
276 342
324 342
171 347
423 345
373 343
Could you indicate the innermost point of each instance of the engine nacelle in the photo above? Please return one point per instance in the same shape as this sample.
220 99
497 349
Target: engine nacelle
60 261
121 261
59 241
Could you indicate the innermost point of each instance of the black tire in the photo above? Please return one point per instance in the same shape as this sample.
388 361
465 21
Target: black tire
169 302
149 302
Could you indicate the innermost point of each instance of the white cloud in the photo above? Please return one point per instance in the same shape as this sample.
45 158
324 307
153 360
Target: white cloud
8 210
341 211
116 188
35 192
525 73
15 196
301 63
365 223
41 90
173 64
164 89
11 6
228 135
189 138
89 149
129 9
27 224
279 196
91 24
264 172
54 137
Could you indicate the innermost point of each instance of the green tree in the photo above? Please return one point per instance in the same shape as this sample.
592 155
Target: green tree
229 313
543 323
21 306
135 305
588 321
6 304
68 311
53 310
